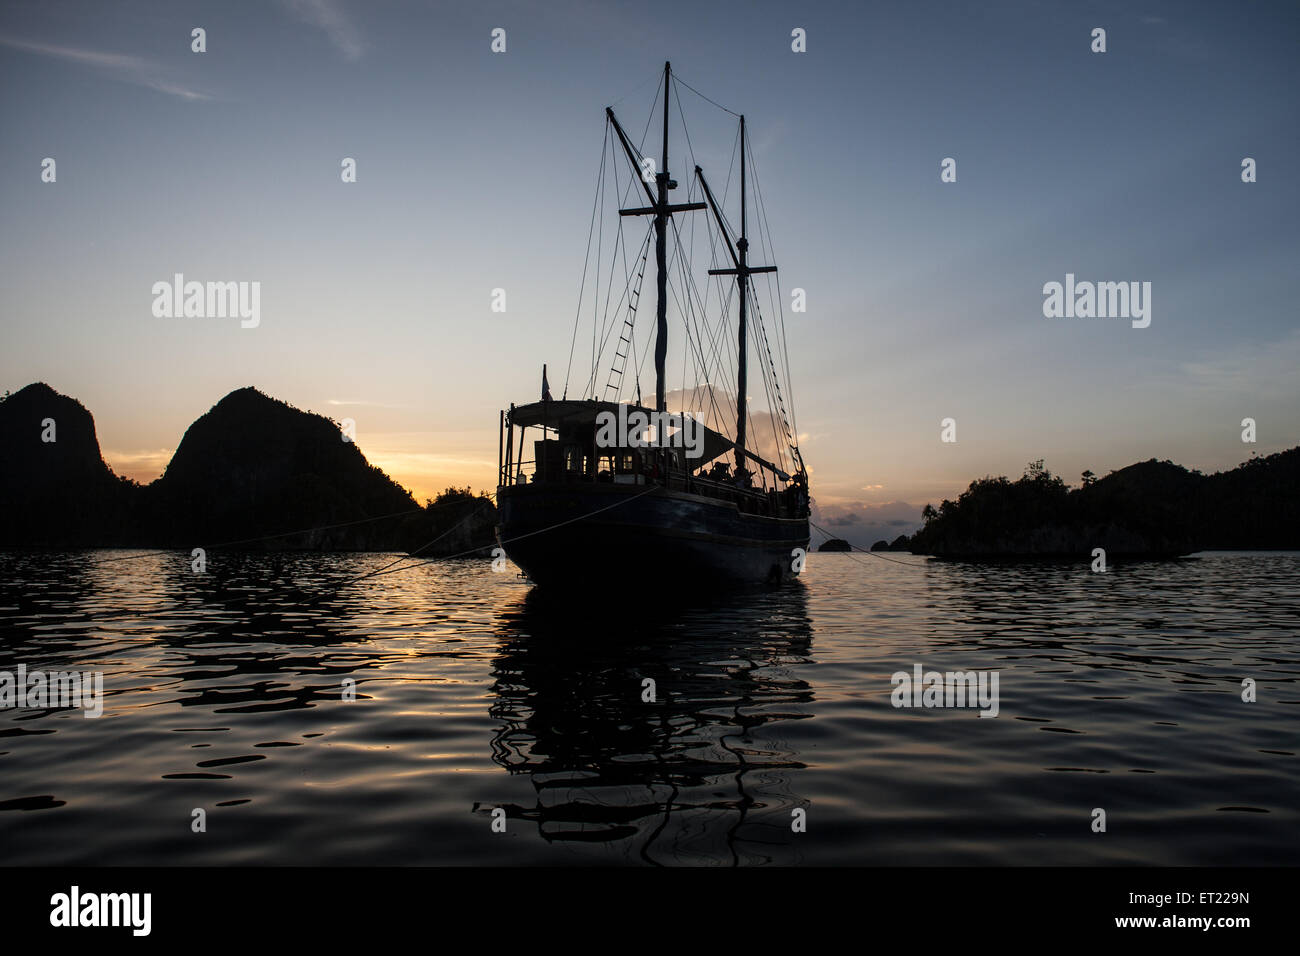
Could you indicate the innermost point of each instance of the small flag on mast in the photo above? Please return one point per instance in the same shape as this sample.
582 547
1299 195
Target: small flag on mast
546 388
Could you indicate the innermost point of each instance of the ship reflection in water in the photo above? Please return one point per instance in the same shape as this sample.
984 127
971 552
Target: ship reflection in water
477 703
658 732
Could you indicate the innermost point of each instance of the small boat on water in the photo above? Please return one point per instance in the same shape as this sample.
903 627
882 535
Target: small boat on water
613 489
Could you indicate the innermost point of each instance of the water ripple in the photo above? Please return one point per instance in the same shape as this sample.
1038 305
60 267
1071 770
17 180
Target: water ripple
407 719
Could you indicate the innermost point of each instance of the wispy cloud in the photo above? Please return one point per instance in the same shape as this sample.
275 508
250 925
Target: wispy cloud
130 69
1264 369
328 15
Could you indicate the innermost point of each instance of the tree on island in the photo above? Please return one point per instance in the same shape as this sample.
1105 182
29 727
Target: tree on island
1152 508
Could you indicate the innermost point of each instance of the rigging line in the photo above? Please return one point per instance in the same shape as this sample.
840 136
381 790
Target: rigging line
678 79
639 365
657 75
769 384
723 327
775 398
731 169
689 148
684 313
704 302
600 246
726 365
770 254
603 332
627 273
628 325
724 299
691 197
690 190
772 380
586 259
698 317
686 360
631 340
874 554
723 361
619 240
705 397
640 146
688 259
725 357
779 329
504 541
608 326
727 235
686 322
749 418
645 352
599 332
690 287
780 310
619 243
627 295
771 387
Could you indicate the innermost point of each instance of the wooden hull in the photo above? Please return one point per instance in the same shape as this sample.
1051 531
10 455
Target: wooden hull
581 534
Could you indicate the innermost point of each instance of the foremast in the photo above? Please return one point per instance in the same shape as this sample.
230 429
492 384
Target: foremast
661 209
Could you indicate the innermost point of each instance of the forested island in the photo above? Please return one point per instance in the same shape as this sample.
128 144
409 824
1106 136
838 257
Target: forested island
253 473
1149 509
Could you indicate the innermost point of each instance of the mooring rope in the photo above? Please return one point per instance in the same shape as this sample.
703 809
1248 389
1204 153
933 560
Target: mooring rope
874 554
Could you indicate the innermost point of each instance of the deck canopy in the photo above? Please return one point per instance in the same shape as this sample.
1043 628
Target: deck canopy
571 414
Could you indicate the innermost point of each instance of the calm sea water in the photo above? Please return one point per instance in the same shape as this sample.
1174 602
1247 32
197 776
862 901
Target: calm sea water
224 691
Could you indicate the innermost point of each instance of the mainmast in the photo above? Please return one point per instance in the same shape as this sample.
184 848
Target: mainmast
661 254
661 209
742 272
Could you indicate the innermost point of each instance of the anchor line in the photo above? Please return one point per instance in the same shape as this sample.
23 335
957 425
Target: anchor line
390 569
906 564
280 534
520 537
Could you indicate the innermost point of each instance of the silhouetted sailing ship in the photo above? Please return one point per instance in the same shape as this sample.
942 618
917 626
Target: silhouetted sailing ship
617 490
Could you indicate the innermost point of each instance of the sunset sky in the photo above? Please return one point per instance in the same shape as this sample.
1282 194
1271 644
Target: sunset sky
476 171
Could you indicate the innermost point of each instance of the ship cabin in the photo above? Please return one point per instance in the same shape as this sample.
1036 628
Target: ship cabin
570 445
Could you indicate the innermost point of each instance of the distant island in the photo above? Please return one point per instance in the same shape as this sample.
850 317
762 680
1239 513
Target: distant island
839 544
901 543
1150 509
253 472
